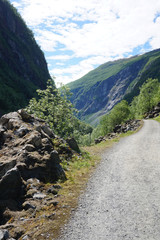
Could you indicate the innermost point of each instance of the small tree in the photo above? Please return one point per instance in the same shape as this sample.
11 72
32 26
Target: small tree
146 98
54 107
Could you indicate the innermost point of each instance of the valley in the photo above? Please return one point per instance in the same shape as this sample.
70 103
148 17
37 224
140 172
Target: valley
80 161
100 90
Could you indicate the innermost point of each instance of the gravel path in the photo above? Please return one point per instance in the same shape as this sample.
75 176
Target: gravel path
122 199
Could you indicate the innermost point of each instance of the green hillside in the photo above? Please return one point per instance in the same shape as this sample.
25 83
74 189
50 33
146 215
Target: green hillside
23 67
98 91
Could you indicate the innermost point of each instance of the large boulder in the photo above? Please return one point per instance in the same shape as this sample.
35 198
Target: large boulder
2 131
4 234
46 168
73 144
11 120
6 166
11 185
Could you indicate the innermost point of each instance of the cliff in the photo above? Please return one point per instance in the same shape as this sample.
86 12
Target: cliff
97 92
23 67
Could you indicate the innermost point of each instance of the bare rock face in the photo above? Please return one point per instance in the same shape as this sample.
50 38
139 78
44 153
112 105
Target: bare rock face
26 151
30 156
26 143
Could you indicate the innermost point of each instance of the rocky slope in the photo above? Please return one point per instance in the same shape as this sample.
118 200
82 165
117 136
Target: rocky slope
30 157
98 91
23 67
130 125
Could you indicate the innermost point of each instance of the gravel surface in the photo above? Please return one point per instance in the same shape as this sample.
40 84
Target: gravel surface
122 199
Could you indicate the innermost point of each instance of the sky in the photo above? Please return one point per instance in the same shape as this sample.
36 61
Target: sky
77 36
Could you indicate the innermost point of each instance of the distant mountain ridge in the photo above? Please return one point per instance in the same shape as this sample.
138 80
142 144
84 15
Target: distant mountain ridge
97 92
23 67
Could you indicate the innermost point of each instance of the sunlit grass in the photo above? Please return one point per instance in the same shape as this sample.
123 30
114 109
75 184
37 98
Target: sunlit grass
157 118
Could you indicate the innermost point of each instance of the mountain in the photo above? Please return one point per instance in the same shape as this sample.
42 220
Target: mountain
97 92
23 68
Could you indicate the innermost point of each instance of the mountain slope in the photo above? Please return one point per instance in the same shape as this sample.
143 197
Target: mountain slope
99 90
23 67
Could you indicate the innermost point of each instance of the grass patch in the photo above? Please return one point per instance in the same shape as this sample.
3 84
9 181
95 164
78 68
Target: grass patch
157 118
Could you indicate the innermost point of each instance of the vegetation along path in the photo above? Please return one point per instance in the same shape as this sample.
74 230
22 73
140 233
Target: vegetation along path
122 199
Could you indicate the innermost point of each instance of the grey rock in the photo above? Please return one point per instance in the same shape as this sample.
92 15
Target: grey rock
4 234
39 196
48 131
26 237
38 128
22 131
33 181
73 144
13 124
52 190
6 166
35 139
47 144
46 141
25 116
54 203
98 140
2 131
5 118
21 166
130 125
56 186
157 108
11 185
54 157
29 148
27 205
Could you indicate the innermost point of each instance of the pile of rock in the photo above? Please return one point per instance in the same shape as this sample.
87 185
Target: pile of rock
130 125
30 156
154 112
100 139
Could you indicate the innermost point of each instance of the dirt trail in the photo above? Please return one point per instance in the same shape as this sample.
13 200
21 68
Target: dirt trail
122 199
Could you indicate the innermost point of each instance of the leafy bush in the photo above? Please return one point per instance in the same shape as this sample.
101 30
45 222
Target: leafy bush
54 106
149 96
120 113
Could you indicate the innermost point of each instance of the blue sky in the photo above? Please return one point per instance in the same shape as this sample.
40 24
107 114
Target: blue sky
79 35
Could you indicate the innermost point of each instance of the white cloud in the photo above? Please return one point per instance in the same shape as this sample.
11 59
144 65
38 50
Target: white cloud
78 70
60 57
108 28
60 64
